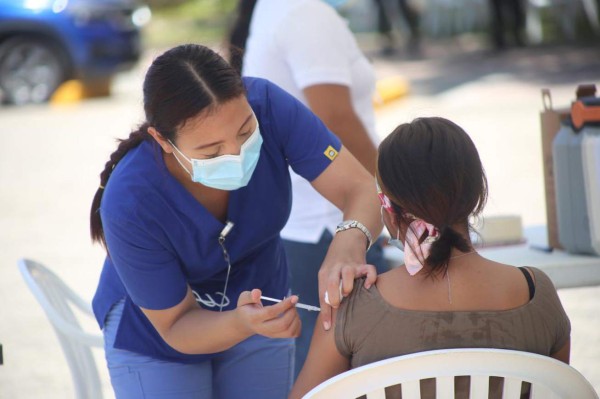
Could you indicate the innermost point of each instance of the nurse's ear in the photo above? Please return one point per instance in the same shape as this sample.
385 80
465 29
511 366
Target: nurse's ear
162 142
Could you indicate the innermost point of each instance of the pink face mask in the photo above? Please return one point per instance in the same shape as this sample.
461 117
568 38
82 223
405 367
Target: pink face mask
412 248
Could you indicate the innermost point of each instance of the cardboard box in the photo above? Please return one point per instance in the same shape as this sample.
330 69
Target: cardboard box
550 119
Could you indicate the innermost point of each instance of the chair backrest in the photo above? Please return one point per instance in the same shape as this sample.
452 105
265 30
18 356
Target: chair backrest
58 301
549 378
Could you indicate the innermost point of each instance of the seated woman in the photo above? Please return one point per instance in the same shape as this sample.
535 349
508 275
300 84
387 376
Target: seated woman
446 295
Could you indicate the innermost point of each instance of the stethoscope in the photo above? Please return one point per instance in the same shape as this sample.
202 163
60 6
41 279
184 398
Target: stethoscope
228 226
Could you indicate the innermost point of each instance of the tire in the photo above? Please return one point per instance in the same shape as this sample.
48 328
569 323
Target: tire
30 70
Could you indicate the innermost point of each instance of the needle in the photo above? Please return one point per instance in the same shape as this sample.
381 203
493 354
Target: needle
298 305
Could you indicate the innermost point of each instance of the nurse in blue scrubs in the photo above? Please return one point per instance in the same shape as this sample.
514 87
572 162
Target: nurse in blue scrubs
190 207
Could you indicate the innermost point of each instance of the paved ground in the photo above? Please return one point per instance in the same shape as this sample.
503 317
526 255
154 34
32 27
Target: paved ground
51 156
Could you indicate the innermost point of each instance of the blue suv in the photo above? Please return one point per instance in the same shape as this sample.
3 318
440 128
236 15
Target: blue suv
46 42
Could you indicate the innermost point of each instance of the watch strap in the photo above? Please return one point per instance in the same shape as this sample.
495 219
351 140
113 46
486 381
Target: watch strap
355 224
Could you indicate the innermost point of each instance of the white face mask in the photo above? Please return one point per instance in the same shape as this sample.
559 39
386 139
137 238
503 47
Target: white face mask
396 242
226 172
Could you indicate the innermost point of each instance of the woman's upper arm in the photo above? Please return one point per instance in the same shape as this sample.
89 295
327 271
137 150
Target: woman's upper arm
340 179
315 153
564 353
308 146
322 362
329 101
164 319
333 104
149 271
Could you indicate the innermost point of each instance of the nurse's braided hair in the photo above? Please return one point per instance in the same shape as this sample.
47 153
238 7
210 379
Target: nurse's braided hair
430 168
180 84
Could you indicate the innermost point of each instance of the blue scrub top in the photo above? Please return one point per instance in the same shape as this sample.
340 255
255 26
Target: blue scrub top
161 239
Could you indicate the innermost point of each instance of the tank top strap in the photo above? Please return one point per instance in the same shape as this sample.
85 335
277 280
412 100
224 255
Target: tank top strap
530 283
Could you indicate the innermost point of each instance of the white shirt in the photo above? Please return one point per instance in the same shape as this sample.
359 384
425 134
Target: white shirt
297 44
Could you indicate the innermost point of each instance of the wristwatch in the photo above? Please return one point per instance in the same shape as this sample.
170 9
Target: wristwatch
355 224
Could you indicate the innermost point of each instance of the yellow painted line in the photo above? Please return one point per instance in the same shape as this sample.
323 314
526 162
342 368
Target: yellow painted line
390 89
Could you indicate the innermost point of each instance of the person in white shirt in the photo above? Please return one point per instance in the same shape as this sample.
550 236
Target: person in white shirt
307 49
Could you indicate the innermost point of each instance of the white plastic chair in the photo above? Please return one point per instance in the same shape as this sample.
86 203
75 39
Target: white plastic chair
57 300
549 378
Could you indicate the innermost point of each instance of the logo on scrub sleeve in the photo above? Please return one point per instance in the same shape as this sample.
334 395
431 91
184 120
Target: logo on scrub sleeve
331 153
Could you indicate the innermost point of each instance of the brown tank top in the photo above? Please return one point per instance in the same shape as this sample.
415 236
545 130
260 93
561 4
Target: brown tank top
369 329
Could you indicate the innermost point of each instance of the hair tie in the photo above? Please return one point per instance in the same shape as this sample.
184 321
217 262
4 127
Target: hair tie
101 187
411 244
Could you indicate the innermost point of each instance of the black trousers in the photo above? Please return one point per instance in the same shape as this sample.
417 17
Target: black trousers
507 15
408 13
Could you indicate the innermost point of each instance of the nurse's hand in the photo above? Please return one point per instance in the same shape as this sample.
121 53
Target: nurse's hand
277 321
345 262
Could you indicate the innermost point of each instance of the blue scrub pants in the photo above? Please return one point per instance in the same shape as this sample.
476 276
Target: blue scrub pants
304 261
258 367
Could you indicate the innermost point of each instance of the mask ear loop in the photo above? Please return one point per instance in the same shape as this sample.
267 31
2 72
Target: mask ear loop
183 155
222 236
390 210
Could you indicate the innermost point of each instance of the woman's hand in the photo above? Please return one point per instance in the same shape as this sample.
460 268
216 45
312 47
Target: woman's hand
277 321
345 261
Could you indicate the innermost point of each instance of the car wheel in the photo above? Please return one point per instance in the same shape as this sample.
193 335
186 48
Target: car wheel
30 70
